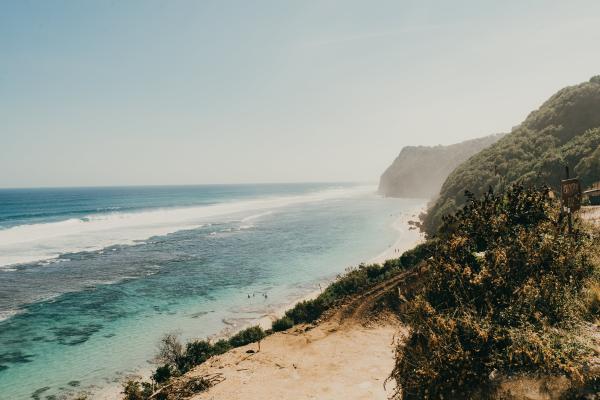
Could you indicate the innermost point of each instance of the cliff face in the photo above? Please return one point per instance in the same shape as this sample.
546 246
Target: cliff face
420 171
565 130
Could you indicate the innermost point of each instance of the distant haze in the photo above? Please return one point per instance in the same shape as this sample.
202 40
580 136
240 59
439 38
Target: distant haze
184 92
420 171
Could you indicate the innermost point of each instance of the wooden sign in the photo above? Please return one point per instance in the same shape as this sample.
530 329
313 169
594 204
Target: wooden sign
570 190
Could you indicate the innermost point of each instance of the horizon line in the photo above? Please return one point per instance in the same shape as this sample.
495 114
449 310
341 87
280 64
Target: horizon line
182 185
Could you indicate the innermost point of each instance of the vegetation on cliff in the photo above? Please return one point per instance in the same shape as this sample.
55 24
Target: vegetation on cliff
420 171
565 130
504 292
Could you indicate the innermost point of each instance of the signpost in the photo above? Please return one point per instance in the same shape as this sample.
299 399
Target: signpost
570 191
571 194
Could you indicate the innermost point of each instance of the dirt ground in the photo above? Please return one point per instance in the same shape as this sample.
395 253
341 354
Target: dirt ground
346 356
330 361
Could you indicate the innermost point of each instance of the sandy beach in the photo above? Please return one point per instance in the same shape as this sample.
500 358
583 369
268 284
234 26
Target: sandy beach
399 246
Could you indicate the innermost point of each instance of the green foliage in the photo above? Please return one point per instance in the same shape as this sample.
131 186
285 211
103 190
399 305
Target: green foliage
565 130
179 361
282 324
162 374
198 351
221 346
134 390
504 293
356 280
307 311
247 336
417 254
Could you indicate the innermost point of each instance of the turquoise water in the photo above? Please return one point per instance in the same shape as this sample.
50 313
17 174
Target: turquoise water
90 279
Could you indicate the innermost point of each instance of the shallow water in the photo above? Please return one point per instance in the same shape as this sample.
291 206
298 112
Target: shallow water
187 262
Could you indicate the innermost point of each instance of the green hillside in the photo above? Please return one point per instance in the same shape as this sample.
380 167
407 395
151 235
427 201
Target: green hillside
565 130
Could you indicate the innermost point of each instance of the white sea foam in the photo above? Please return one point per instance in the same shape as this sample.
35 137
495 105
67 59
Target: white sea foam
256 216
6 314
37 242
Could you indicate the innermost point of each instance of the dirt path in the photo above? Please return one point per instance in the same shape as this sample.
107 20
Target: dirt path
323 363
339 358
357 310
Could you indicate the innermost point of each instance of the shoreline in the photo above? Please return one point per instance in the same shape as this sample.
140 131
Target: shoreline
392 252
399 246
400 225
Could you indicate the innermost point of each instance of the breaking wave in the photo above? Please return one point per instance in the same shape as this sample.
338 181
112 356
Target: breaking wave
45 241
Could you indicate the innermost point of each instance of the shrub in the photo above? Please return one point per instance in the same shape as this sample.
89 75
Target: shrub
134 390
306 311
422 251
282 324
221 346
195 385
247 336
170 351
593 301
162 374
502 293
354 281
197 352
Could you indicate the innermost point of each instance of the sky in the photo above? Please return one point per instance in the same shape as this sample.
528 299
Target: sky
97 93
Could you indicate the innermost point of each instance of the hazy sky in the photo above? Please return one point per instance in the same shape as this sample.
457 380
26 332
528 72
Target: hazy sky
175 92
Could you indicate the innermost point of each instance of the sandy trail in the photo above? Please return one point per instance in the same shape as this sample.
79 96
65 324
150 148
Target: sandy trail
322 363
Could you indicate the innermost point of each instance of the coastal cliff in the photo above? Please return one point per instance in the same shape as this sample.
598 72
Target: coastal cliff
420 171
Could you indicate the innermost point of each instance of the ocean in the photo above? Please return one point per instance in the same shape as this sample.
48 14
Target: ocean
91 278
